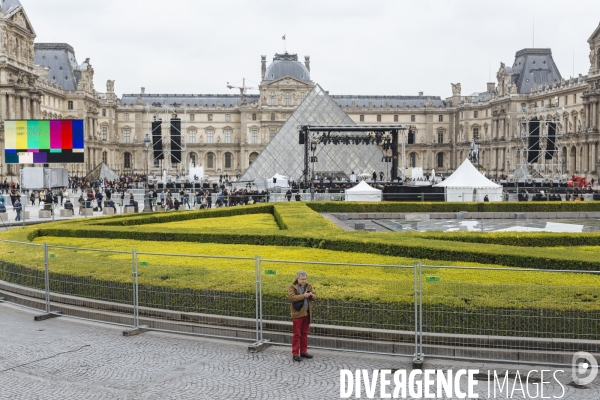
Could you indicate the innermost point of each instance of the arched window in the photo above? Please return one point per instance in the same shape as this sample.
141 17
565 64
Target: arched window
193 159
252 158
273 117
105 157
127 160
288 99
254 117
210 160
228 160
413 160
440 160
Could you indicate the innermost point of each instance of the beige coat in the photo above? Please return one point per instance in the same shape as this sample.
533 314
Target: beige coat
294 295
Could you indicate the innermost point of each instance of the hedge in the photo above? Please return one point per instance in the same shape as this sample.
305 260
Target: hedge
404 207
522 239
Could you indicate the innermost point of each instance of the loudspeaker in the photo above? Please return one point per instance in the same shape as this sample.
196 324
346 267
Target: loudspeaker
533 146
550 146
300 137
157 140
175 140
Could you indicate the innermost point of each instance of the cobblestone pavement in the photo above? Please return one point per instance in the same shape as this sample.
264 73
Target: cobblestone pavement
64 358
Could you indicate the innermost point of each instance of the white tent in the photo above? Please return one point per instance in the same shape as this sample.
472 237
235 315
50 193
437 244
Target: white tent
363 192
278 180
468 184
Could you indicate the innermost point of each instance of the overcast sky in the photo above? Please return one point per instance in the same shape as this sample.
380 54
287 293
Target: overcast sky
356 47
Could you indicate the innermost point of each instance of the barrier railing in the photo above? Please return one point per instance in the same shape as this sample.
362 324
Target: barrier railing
473 313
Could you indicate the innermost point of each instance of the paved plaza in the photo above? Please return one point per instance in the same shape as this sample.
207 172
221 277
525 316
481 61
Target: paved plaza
65 358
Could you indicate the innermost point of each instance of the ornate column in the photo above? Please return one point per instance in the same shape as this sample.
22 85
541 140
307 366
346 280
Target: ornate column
23 108
595 115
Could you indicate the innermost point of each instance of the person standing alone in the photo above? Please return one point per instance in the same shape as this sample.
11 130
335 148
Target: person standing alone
301 297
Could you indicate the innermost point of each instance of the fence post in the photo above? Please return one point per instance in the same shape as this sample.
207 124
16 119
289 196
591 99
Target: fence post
257 275
46 277
418 299
134 270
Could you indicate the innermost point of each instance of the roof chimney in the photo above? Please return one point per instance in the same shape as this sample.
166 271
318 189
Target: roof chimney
307 62
420 93
491 86
263 66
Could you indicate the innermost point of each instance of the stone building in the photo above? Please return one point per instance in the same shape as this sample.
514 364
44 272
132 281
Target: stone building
226 132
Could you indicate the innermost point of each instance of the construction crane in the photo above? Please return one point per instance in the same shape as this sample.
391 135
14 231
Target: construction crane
242 88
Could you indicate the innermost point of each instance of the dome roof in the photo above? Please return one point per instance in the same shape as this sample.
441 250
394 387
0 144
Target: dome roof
286 65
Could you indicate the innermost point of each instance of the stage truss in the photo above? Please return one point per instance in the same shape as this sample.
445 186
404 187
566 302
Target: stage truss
166 167
541 130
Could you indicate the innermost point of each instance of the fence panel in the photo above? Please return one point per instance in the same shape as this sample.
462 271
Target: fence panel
359 307
21 269
83 280
509 314
203 295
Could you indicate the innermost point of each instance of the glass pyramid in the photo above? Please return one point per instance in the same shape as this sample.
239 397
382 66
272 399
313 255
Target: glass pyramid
283 155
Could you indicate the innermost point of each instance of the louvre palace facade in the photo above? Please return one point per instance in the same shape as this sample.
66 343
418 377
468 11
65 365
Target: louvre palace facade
225 133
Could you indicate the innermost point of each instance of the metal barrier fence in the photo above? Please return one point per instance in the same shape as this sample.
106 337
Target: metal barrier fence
438 311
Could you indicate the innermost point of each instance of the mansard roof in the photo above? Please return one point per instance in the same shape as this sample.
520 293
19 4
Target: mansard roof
191 100
60 58
387 101
8 7
533 68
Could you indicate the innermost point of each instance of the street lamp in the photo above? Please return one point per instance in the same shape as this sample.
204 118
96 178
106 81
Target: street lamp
147 206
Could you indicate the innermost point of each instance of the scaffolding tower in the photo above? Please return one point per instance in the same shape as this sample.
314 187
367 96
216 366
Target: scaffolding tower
541 130
165 149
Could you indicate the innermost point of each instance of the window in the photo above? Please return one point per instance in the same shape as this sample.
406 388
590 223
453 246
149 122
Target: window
210 160
575 95
302 96
254 135
104 133
273 117
476 133
254 117
126 117
105 157
523 107
440 118
287 99
395 118
272 100
104 112
411 136
272 133
440 160
210 136
228 157
475 114
209 117
379 118
412 118
70 105
156 162
566 100
486 113
126 136
227 135
440 136
192 136
227 117
252 158
127 160
192 117
362 118
193 159
413 160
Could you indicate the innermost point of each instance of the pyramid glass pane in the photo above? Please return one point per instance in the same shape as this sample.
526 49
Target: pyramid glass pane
283 155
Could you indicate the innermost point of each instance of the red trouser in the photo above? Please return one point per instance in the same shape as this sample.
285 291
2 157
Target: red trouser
300 337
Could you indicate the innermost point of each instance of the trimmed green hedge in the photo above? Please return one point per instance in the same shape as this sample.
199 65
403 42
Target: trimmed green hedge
403 207
522 239
414 247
